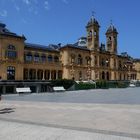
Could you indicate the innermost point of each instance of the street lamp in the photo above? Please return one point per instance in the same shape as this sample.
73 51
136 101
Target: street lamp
107 62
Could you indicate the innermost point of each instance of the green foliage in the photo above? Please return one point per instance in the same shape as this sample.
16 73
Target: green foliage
118 84
121 84
138 83
83 86
102 84
63 82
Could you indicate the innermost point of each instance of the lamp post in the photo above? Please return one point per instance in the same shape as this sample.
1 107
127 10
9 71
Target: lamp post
107 62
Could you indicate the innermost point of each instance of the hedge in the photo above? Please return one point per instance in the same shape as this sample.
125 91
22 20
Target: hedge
63 82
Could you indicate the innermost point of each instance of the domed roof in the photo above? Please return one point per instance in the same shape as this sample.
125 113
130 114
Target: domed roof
93 21
111 29
2 25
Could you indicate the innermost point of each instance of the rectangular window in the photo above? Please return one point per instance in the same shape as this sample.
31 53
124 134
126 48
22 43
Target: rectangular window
36 58
43 58
28 58
11 54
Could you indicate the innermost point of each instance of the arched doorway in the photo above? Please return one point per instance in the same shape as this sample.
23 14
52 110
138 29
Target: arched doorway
103 75
10 73
107 76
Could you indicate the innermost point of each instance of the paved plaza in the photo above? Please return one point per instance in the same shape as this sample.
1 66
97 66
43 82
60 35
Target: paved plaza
112 114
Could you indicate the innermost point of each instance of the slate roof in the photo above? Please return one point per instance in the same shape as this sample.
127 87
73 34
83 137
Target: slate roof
136 60
42 47
4 31
111 29
75 46
93 21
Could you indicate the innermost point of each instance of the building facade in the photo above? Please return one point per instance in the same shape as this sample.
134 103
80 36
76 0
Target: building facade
86 59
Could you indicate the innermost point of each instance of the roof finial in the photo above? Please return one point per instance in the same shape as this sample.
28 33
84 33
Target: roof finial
93 14
111 22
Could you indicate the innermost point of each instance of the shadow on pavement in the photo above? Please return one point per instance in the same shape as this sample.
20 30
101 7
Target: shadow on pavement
7 110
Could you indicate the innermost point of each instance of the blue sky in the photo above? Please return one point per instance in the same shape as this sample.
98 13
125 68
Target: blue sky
63 21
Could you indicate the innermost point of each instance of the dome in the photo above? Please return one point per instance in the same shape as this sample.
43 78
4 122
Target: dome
111 29
93 21
2 25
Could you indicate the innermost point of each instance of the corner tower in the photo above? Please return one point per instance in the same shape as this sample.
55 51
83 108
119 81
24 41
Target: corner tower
93 34
111 39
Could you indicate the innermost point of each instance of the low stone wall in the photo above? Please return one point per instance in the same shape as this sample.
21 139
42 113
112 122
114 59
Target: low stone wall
9 87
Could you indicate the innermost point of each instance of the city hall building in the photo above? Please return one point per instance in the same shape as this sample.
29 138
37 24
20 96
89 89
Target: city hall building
30 64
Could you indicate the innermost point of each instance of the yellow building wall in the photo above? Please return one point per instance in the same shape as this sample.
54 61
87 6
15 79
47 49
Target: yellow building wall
137 67
18 62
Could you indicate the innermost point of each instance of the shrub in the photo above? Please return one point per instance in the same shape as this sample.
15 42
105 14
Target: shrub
83 86
102 84
121 84
63 82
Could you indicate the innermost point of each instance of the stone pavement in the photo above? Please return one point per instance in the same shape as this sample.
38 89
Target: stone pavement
21 120
19 131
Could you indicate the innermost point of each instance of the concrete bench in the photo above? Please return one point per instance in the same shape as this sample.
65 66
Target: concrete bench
58 89
23 90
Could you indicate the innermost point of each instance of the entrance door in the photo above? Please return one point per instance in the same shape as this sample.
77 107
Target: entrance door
10 73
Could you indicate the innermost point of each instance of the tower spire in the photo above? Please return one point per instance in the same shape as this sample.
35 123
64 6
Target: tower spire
111 22
93 14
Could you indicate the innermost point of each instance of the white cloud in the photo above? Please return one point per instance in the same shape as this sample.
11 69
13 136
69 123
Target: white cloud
3 13
26 2
24 21
17 7
46 5
65 1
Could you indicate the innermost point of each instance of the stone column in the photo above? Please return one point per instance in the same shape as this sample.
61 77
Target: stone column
43 75
56 74
28 76
36 74
98 60
112 63
93 74
50 76
92 61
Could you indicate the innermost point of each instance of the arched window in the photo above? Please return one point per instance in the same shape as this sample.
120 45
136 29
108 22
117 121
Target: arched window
80 60
28 56
90 34
102 62
72 58
103 75
120 65
114 63
96 62
107 75
11 52
50 58
43 58
36 57
95 34
11 47
88 60
10 73
109 38
56 59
